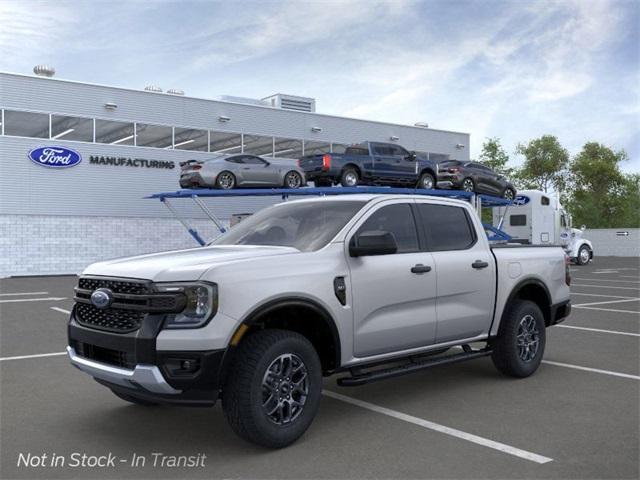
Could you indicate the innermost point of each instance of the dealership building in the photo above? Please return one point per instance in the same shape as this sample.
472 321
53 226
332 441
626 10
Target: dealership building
127 144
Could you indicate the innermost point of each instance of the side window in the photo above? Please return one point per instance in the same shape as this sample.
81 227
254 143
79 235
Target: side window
447 228
544 200
235 159
398 220
517 220
253 160
399 151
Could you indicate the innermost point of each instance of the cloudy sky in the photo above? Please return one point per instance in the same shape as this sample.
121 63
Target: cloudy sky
515 69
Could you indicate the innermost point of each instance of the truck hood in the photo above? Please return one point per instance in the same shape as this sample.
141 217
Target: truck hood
181 265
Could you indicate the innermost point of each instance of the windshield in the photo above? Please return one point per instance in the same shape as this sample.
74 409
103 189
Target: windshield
307 226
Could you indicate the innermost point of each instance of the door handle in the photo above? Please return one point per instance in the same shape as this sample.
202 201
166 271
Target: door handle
478 264
419 268
246 168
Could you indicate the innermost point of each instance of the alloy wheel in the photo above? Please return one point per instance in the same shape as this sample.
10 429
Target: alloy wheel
226 181
508 194
351 179
285 387
467 185
527 338
293 180
584 255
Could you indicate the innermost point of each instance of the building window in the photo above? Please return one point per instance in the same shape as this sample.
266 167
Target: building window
225 142
190 139
287 148
157 136
114 133
438 157
26 124
71 128
258 145
314 148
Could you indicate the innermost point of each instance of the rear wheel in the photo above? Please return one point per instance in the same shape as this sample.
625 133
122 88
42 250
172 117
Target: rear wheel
468 185
293 179
509 194
137 401
226 180
518 349
349 177
427 181
584 255
272 393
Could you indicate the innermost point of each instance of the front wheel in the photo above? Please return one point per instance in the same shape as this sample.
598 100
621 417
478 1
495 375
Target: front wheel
426 181
509 194
584 255
273 388
293 179
519 346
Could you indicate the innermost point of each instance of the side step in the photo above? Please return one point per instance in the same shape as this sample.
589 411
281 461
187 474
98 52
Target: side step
360 378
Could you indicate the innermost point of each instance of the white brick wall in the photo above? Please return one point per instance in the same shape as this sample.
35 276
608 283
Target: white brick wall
46 245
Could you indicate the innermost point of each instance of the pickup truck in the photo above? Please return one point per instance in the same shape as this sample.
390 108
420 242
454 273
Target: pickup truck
371 163
369 286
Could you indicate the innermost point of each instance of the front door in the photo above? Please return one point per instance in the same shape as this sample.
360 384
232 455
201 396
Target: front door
465 272
394 296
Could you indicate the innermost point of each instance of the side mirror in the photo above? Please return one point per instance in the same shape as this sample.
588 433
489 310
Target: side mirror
583 228
412 156
266 164
374 242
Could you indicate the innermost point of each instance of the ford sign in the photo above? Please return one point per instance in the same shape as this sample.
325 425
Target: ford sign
521 200
55 157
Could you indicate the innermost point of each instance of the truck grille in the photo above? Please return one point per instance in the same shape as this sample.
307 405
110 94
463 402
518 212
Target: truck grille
131 287
110 319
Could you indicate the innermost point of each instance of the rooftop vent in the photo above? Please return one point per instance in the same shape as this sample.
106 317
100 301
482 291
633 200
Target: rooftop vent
291 102
421 124
175 91
153 88
44 71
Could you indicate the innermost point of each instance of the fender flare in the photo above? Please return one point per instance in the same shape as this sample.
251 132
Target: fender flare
514 293
297 301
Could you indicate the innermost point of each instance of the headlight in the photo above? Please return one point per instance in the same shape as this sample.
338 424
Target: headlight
201 304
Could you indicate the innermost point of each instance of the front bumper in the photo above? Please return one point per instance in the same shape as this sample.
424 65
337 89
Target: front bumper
131 364
147 377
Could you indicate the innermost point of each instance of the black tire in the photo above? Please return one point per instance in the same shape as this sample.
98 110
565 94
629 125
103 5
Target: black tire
349 177
225 180
427 181
580 259
293 180
508 194
468 185
244 390
135 400
508 356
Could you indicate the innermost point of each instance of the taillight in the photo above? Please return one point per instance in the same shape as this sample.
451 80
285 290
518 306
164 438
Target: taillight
196 167
299 162
326 161
453 170
567 270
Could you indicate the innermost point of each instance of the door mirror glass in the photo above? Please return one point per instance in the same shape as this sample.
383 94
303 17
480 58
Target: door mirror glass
372 242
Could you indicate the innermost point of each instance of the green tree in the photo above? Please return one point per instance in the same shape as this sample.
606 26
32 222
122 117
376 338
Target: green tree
545 164
494 156
600 195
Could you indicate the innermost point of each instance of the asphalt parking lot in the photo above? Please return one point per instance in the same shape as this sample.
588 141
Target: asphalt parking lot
577 417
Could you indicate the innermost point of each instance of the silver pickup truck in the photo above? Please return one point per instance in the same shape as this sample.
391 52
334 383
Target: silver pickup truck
370 286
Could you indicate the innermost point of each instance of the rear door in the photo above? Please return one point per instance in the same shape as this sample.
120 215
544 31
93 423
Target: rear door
465 271
384 161
394 308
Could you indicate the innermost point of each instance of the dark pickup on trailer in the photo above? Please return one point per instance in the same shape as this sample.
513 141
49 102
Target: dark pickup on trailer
371 163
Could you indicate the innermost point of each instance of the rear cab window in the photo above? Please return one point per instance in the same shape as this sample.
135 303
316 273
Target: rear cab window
446 227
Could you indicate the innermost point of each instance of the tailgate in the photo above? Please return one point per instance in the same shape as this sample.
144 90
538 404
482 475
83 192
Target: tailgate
312 163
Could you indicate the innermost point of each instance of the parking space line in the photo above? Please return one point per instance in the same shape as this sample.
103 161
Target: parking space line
599 295
606 302
48 299
628 276
599 330
485 442
595 370
61 310
605 286
607 310
606 280
22 293
40 355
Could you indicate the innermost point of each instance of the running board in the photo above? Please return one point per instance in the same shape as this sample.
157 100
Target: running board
360 378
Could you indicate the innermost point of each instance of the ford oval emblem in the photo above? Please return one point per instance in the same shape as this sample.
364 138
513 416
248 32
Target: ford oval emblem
102 298
55 157
521 200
